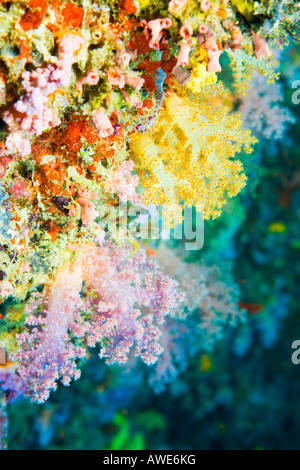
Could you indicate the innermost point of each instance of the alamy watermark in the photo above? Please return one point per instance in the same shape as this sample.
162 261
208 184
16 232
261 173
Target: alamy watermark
148 222
296 94
296 354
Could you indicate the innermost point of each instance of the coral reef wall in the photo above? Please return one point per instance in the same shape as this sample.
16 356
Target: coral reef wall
127 128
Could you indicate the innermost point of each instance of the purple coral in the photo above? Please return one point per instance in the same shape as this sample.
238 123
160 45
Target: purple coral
11 383
261 109
126 296
131 296
46 353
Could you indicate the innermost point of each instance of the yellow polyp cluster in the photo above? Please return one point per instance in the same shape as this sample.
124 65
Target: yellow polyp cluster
188 157
144 4
245 7
199 56
200 78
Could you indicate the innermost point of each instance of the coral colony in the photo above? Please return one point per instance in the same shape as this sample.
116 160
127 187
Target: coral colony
151 104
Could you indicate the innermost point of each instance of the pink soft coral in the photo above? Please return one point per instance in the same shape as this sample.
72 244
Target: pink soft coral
123 183
128 296
45 352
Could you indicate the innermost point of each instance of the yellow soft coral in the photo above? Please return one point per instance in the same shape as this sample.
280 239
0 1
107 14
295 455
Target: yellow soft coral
188 157
245 7
244 63
199 76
